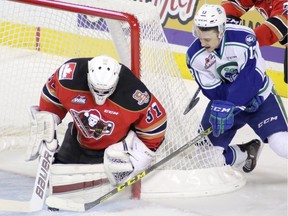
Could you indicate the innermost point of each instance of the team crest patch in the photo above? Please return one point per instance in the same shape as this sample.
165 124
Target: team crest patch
250 39
229 71
91 123
141 97
66 72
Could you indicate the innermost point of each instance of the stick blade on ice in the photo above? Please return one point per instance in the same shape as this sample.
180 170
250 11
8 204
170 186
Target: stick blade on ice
18 206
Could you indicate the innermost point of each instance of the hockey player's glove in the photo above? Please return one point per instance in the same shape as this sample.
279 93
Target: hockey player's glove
221 116
254 104
42 132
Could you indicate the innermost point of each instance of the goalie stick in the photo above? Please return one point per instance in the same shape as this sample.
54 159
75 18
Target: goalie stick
42 132
65 204
40 187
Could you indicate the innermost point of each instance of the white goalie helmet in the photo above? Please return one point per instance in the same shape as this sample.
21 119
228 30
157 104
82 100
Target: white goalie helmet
103 76
210 16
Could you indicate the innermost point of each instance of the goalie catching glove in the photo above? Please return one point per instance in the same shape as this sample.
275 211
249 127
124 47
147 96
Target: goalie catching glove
125 159
42 132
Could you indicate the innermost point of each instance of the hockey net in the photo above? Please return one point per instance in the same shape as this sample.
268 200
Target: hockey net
37 36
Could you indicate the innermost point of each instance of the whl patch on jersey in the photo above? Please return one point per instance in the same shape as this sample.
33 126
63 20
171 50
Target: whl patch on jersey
66 72
80 99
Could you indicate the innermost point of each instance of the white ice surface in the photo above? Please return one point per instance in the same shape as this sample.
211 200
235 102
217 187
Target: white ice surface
265 193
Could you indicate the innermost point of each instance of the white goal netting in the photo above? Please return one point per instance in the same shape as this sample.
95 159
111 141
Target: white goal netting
36 38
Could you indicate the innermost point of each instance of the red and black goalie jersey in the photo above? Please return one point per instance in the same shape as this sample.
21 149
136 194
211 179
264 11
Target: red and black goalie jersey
131 106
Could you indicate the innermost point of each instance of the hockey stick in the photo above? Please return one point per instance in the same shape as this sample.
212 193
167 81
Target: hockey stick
65 204
42 132
40 187
193 102
195 99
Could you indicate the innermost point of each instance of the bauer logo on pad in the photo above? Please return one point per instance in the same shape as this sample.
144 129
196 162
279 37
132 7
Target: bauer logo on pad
67 71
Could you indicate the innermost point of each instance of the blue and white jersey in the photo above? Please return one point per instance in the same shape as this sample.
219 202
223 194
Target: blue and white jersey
233 72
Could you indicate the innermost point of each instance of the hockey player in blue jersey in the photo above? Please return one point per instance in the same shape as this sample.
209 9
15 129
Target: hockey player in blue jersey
226 63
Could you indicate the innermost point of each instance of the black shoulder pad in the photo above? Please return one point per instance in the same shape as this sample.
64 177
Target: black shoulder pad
73 74
131 93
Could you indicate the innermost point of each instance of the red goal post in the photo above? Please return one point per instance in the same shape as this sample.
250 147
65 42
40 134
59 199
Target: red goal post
37 36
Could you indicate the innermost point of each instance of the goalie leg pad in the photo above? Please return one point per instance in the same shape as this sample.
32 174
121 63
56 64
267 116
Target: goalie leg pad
78 181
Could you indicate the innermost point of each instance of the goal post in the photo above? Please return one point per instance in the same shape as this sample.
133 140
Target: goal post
37 36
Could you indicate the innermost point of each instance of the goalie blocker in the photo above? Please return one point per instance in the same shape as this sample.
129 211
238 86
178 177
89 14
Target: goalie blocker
42 132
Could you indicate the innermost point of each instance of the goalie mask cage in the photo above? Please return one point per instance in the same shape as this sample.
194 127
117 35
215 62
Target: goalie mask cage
37 36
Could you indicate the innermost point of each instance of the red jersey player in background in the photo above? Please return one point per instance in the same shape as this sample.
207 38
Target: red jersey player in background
274 29
117 121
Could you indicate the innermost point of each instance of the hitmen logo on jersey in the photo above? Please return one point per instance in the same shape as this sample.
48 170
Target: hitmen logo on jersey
141 97
66 72
91 124
209 61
